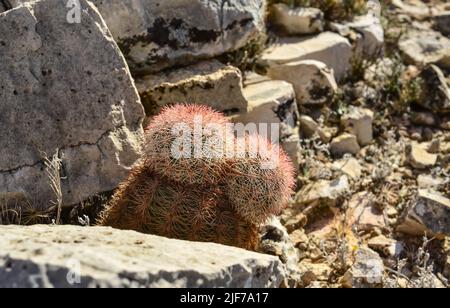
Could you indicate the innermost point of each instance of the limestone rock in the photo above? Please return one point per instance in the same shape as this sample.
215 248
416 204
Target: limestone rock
370 31
46 256
429 213
154 35
207 83
330 48
363 215
425 47
359 122
302 20
435 94
366 272
275 241
429 181
313 81
312 272
273 102
388 247
442 21
349 166
419 158
414 8
323 190
308 126
66 89
344 144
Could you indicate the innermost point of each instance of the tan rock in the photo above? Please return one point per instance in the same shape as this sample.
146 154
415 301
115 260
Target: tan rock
327 47
359 122
429 213
426 47
312 272
366 272
273 102
323 190
313 81
387 246
350 167
206 83
363 215
344 144
419 158
429 181
297 20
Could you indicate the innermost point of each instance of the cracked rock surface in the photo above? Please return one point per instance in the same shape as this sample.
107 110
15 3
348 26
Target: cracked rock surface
45 256
155 34
66 89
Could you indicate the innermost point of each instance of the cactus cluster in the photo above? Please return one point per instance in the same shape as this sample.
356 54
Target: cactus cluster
213 197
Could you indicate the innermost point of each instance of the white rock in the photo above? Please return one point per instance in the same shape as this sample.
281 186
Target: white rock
371 33
323 190
308 126
415 8
366 272
313 81
344 144
66 89
349 166
429 181
359 122
387 246
207 83
273 102
363 215
297 20
424 47
44 256
419 158
330 48
429 213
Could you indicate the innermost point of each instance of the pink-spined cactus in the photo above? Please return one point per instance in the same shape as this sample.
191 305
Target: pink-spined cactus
210 197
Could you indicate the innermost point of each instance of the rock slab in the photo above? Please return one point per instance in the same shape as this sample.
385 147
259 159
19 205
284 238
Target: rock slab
55 256
66 90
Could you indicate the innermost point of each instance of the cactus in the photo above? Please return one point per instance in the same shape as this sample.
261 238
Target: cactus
149 203
261 181
212 199
192 169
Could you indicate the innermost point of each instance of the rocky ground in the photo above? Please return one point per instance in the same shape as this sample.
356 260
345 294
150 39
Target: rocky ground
360 88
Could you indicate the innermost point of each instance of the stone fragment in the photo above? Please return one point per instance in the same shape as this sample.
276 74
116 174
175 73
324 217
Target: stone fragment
344 144
313 81
429 213
293 21
359 122
330 48
206 83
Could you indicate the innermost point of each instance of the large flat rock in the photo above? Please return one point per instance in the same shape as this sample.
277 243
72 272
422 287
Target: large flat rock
328 47
45 256
156 34
64 88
